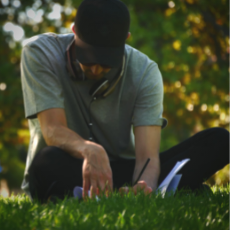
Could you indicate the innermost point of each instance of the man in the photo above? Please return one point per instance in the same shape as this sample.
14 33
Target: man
83 92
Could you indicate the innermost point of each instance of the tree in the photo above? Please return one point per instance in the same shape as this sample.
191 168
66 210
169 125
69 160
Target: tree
189 41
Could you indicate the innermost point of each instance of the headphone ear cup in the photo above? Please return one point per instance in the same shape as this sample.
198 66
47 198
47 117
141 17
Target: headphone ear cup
99 88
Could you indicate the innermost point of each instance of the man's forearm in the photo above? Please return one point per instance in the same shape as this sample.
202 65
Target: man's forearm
147 144
150 174
96 170
66 139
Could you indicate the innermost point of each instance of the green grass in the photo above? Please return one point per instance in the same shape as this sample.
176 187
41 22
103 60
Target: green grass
182 211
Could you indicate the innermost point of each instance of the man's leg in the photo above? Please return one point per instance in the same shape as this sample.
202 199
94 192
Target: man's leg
54 172
122 172
208 151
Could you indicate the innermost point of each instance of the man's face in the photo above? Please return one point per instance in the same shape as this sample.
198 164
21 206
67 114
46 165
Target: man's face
94 71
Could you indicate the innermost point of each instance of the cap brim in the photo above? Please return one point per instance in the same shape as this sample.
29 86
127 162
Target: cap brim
110 56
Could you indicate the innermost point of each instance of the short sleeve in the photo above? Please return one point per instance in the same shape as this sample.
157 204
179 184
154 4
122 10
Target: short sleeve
149 103
40 85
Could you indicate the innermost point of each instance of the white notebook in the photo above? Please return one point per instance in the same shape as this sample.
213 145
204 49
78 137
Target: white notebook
172 180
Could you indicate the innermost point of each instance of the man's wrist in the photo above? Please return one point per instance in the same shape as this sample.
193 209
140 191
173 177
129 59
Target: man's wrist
150 175
80 148
87 148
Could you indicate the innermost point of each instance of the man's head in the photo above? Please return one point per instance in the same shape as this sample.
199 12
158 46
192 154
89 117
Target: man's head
101 28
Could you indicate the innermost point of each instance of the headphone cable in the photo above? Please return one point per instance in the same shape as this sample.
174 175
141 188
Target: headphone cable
90 120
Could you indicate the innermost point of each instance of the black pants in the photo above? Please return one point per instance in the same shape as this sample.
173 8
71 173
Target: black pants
54 172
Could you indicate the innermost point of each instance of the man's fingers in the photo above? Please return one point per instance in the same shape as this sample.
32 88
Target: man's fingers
106 185
148 191
86 186
137 188
93 188
123 190
102 185
96 186
142 186
97 178
108 188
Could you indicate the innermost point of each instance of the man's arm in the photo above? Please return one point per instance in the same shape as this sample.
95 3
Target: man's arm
96 168
147 144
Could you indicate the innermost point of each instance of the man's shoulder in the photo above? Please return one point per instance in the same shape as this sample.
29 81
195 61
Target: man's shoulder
140 69
136 57
48 39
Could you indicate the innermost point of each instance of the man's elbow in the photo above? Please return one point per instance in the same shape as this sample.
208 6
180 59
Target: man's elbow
49 134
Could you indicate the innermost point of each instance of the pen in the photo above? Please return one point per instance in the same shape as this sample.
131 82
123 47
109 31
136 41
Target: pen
142 171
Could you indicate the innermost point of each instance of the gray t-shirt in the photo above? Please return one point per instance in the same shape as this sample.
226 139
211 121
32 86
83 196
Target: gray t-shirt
46 83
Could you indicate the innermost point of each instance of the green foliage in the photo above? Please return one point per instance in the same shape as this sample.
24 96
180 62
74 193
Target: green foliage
189 41
182 211
187 38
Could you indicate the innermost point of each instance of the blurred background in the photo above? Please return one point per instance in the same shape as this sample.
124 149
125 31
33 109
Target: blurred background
189 39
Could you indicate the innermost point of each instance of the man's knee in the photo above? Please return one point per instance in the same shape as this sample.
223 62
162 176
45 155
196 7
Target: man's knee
220 130
221 138
46 157
222 135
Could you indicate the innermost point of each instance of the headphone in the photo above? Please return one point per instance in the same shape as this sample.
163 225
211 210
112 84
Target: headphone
101 88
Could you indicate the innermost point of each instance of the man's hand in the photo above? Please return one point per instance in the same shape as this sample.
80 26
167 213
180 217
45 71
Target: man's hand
147 143
140 186
96 170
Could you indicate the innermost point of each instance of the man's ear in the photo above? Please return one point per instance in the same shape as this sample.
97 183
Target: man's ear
128 36
73 28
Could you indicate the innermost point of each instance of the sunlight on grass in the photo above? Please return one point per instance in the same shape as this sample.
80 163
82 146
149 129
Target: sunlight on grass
185 210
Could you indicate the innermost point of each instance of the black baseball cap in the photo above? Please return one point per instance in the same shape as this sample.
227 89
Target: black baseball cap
101 27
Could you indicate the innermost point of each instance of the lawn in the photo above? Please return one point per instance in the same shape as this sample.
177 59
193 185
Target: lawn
182 211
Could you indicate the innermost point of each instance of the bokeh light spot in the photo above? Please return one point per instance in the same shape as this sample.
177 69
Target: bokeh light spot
190 107
216 107
227 98
56 13
171 4
190 49
222 116
30 13
177 84
5 2
177 45
183 89
16 3
9 26
17 31
2 86
204 107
